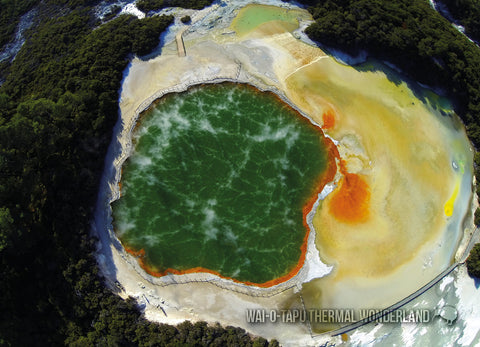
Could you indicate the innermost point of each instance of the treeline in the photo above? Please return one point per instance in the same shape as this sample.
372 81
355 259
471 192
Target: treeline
409 34
415 38
155 5
473 262
12 10
467 12
58 106
127 330
10 13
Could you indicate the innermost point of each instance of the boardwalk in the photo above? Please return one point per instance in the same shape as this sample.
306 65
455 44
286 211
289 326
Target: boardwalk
406 300
199 16
180 44
396 306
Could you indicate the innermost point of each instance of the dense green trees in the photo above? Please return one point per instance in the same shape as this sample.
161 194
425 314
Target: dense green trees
59 102
58 105
473 262
467 12
155 5
409 34
10 12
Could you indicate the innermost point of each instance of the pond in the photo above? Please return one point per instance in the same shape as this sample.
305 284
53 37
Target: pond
218 181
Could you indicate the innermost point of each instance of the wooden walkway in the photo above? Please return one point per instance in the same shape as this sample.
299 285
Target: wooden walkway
396 306
414 295
180 44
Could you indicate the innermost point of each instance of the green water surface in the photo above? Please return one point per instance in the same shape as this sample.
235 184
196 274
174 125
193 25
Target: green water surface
218 179
253 15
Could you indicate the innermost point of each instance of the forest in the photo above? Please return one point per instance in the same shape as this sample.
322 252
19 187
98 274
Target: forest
467 13
473 263
155 5
58 105
10 15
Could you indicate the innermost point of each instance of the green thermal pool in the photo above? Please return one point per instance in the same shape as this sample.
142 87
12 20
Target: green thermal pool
253 15
218 179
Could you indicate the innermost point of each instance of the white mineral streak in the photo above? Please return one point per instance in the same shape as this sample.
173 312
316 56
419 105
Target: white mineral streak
11 49
133 10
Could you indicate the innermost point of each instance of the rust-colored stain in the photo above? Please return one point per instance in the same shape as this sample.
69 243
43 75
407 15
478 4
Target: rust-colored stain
350 203
328 119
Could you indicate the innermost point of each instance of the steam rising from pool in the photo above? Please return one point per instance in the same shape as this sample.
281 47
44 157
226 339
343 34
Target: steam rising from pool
218 179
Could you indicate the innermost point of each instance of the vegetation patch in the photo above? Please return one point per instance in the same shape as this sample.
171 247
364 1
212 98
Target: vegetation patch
156 5
467 12
58 106
473 262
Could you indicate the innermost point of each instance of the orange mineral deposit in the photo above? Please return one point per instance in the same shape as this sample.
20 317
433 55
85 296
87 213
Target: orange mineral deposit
350 203
328 119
